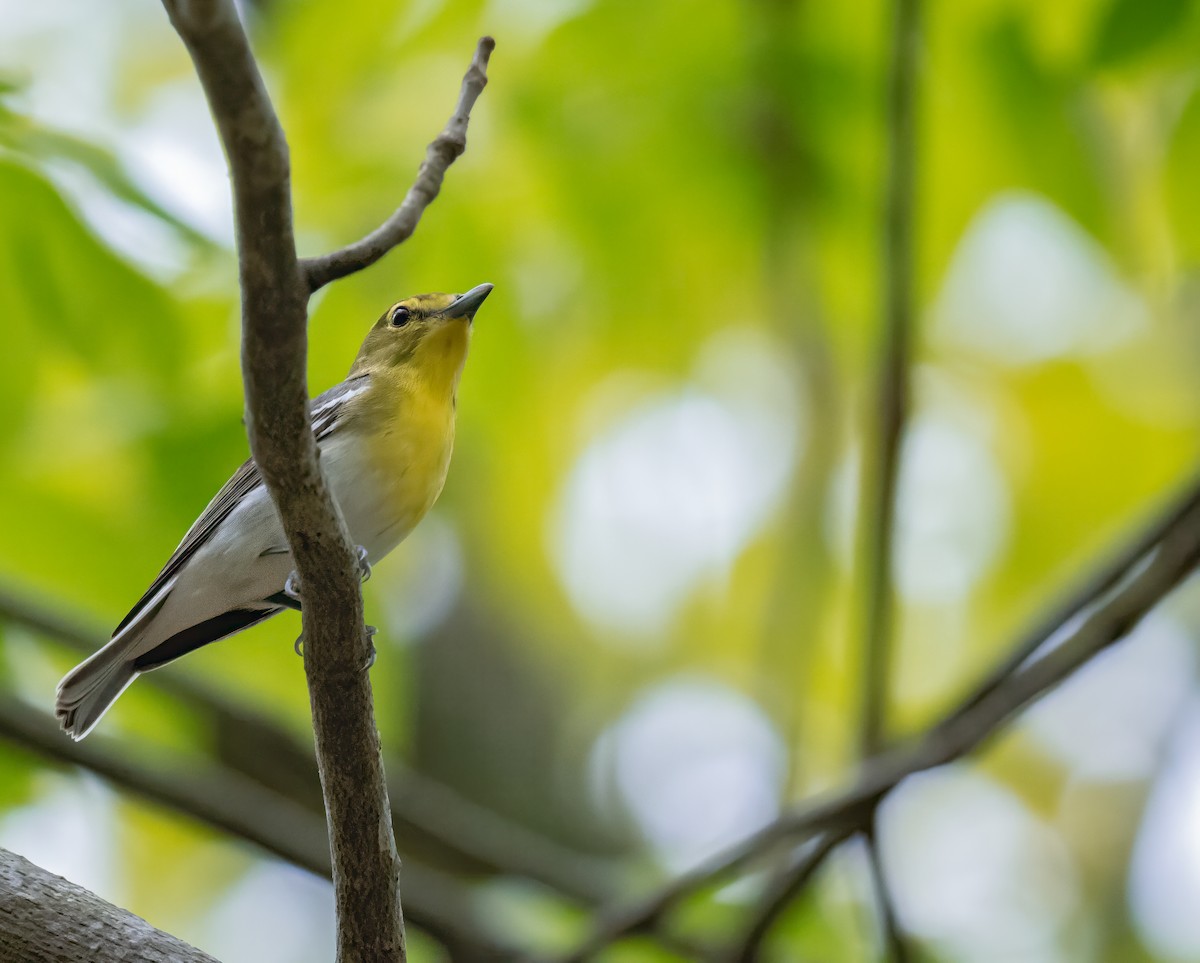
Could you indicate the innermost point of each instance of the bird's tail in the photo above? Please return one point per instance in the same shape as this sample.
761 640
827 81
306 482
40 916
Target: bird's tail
87 691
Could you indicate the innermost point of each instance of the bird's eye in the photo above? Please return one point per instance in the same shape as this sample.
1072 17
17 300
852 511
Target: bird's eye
400 317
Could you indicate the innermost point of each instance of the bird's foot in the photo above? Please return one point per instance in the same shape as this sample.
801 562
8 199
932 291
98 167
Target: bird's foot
364 567
371 630
298 648
291 587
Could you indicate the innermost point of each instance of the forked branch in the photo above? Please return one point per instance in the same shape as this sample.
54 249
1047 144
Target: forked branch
1121 595
275 292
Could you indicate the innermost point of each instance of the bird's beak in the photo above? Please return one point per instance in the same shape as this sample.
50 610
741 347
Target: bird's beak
465 305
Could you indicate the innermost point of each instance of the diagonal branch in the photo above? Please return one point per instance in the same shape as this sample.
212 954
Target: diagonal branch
236 805
45 917
443 151
435 821
784 890
1114 612
1098 584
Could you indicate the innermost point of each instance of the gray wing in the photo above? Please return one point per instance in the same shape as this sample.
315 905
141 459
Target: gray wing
325 410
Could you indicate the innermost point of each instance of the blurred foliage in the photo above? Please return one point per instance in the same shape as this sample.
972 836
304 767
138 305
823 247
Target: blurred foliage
632 622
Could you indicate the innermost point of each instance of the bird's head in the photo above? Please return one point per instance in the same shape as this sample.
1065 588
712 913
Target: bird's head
423 337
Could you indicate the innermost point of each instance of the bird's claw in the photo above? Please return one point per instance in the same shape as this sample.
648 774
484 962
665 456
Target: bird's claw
291 587
298 648
371 630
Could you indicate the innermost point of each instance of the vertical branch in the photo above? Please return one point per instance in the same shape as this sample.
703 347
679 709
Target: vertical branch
880 479
275 288
881 472
895 946
799 596
366 868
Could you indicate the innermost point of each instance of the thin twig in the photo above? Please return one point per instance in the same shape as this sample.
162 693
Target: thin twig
963 730
895 943
237 806
798 597
1094 587
892 404
785 888
881 473
439 155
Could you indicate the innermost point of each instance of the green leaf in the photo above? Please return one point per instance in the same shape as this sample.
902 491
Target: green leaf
16 777
1182 189
1132 27
62 290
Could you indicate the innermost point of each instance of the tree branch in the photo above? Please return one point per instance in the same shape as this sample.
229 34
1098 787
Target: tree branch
1114 613
47 919
877 527
236 806
432 820
892 938
275 291
799 597
209 794
893 404
1098 584
443 151
784 890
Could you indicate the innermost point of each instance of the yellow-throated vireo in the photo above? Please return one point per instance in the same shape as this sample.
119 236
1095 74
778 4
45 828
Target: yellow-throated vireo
385 435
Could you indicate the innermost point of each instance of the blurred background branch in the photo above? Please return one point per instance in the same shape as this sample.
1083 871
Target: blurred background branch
632 629
1110 617
882 463
892 938
432 820
786 887
230 803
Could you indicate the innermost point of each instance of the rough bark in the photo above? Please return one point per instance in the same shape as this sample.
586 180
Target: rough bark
275 291
47 919
366 867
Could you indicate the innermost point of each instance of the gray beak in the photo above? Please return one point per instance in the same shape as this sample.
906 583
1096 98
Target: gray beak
465 305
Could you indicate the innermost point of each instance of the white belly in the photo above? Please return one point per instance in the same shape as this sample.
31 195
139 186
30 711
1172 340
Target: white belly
367 494
246 559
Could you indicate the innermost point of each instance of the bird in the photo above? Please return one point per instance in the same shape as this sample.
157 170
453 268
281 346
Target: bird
385 436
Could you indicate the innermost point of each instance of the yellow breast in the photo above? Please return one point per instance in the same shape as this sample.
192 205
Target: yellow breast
411 432
413 451
404 426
